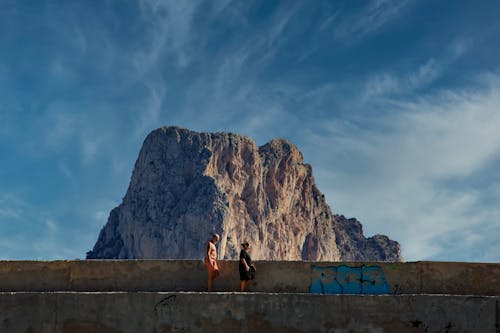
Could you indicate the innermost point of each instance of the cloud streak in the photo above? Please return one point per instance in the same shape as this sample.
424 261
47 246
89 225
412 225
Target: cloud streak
170 32
398 182
370 18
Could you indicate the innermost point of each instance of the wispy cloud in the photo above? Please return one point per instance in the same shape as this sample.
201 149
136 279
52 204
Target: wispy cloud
150 116
28 231
387 84
370 18
8 212
66 171
58 125
10 206
230 95
170 34
17 226
275 36
89 150
395 177
391 83
49 243
329 20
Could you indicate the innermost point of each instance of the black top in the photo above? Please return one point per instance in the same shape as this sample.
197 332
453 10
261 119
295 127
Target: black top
244 274
244 255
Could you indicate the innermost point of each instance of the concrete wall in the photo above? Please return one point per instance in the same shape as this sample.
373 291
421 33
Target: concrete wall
272 276
140 312
161 296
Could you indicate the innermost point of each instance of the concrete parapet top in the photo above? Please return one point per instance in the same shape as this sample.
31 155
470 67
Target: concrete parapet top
457 278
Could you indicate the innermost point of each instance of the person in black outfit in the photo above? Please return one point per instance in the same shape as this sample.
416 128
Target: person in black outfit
245 266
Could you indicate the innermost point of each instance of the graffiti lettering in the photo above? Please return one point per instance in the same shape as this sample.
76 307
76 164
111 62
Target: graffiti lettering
349 280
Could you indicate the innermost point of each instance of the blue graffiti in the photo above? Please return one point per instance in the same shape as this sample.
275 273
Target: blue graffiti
349 280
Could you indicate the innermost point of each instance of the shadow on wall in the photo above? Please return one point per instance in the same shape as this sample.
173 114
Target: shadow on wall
349 280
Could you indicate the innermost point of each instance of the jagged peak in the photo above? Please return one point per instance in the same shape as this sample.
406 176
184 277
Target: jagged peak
280 148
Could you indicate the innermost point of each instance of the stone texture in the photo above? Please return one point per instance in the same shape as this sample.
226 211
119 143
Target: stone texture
187 185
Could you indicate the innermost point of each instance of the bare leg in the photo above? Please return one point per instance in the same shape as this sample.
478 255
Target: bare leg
210 280
243 285
211 277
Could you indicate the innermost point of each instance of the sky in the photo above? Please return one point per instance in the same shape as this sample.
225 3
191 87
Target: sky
395 104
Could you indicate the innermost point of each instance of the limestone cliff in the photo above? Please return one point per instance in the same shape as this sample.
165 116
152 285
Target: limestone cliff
187 185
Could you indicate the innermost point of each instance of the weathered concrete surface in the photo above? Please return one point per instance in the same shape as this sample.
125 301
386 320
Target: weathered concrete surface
133 312
272 276
477 279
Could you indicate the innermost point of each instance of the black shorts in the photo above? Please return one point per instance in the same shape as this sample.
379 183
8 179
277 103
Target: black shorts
246 275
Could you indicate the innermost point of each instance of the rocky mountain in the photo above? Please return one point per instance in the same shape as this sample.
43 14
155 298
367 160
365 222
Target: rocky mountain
188 185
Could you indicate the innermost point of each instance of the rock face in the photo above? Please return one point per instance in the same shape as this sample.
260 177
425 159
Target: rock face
188 185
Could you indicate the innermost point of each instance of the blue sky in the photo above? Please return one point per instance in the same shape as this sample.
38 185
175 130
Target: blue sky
396 104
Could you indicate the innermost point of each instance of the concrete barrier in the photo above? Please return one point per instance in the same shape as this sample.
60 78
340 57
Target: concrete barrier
160 296
140 312
272 276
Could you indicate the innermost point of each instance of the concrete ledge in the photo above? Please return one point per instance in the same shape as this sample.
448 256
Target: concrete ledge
272 276
132 312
